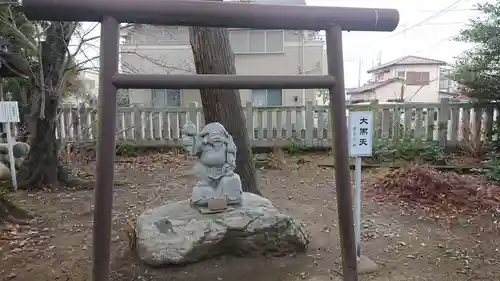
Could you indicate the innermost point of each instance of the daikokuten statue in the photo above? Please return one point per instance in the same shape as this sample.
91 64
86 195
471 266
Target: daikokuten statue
216 154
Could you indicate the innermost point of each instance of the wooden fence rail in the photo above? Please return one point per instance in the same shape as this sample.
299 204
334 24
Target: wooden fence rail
308 125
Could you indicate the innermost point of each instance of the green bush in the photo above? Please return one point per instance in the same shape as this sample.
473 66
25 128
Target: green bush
494 145
295 146
408 148
491 167
127 149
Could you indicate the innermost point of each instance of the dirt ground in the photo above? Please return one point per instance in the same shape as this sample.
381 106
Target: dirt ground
407 245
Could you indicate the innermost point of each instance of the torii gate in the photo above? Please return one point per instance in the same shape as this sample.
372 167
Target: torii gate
224 15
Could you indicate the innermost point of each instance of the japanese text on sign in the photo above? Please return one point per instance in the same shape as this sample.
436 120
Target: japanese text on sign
9 112
360 133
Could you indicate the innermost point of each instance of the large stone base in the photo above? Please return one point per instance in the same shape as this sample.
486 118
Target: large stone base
178 233
4 172
366 265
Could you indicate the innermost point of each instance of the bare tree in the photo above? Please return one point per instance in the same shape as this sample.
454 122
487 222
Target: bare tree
130 51
52 66
43 167
213 55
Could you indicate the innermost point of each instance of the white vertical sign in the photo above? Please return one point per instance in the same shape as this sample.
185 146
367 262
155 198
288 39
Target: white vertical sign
360 144
9 113
360 133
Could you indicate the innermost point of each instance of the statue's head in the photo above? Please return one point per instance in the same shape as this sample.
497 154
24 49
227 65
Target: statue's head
189 129
214 132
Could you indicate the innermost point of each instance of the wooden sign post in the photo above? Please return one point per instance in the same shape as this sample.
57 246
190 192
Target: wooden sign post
9 113
360 145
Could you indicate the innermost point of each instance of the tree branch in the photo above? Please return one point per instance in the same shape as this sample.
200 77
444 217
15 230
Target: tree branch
161 63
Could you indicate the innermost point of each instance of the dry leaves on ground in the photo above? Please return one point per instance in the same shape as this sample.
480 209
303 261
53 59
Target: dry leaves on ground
443 191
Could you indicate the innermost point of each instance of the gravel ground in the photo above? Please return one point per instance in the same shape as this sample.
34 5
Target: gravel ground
407 244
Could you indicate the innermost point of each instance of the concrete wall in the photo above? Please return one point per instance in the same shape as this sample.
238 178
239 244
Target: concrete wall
162 50
413 93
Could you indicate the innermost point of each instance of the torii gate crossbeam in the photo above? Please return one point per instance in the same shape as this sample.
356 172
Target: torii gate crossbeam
225 15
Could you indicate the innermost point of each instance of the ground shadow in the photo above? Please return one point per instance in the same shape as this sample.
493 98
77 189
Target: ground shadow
219 268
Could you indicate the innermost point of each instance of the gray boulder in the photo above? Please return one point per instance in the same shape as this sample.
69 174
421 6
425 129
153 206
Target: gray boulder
4 158
4 172
178 233
20 149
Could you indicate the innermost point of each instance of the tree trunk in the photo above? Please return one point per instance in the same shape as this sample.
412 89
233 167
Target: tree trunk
24 112
213 55
43 168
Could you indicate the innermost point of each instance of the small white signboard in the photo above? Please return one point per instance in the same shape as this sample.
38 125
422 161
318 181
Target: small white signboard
360 133
360 145
9 113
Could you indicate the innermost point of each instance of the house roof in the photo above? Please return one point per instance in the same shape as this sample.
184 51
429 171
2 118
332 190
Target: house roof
373 86
448 93
455 96
408 60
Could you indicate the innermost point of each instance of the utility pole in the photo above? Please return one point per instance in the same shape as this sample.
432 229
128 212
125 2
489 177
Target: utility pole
404 37
360 64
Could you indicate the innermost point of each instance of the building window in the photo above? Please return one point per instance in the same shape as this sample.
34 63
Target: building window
88 84
400 74
444 84
265 98
250 41
163 98
447 84
417 78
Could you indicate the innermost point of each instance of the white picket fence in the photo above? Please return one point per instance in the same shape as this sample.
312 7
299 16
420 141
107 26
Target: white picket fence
308 125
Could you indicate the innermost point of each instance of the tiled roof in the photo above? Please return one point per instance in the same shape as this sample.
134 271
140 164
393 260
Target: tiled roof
408 60
448 93
372 86
456 96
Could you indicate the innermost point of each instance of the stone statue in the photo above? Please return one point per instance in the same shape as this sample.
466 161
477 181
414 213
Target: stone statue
216 154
